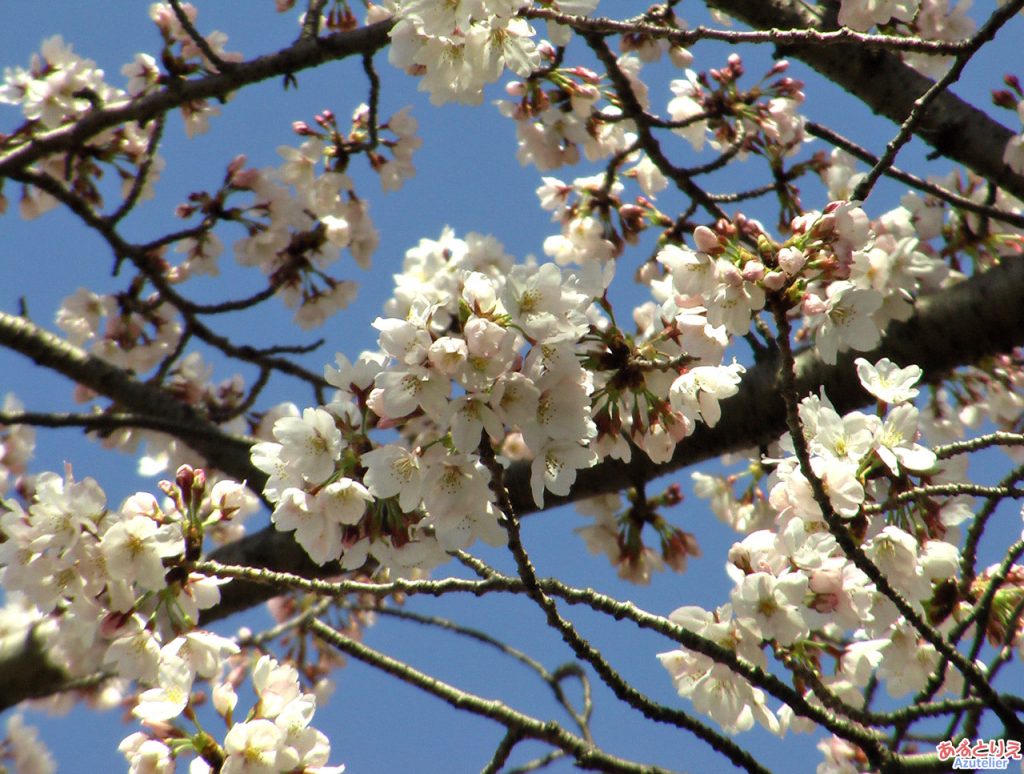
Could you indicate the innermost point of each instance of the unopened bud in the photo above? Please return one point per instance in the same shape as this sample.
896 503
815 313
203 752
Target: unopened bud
774 280
753 271
812 305
680 57
184 477
1003 98
705 239
224 699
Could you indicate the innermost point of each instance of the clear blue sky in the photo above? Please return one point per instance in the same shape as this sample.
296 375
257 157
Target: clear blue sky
468 178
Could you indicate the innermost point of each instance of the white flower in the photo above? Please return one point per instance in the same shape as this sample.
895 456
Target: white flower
344 501
351 377
515 399
80 314
543 303
204 652
895 552
134 550
392 470
774 604
839 478
699 390
469 416
317 518
686 105
908 662
275 684
1013 155
252 748
693 273
135 656
399 393
457 484
168 699
311 445
846 438
731 701
847 320
146 755
887 381
896 441
555 466
733 301
406 341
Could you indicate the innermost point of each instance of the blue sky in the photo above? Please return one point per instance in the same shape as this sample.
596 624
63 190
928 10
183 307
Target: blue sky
467 178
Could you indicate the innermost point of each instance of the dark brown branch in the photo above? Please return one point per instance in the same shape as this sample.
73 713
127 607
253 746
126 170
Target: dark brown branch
924 186
977 318
953 127
923 103
302 55
221 450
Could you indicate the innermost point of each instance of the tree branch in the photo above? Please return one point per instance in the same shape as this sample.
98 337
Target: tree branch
979 317
889 87
302 55
228 453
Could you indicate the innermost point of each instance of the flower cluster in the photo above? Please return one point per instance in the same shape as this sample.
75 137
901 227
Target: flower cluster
24 749
107 591
850 278
763 119
475 347
275 736
458 48
56 89
924 19
555 125
126 330
848 563
793 584
102 582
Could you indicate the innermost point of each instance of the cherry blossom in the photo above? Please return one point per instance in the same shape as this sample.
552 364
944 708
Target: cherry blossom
496 380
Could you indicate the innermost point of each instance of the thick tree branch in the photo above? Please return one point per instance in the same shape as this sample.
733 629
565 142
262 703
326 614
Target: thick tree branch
225 452
890 88
979 317
304 54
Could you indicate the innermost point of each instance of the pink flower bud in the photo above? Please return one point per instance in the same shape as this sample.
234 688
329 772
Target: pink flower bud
585 74
774 280
184 477
753 271
791 260
812 305
705 239
680 57
245 179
